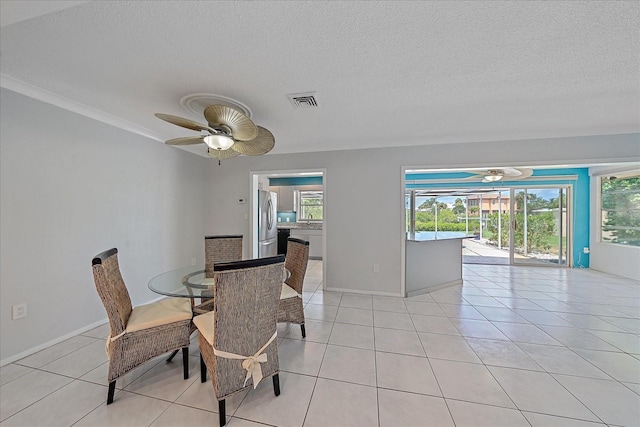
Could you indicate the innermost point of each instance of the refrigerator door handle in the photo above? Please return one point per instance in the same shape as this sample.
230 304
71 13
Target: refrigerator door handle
269 214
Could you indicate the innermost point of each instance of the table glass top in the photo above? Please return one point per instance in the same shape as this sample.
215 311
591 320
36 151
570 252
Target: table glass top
187 282
183 282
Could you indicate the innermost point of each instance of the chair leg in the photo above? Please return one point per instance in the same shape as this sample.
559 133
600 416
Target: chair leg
185 362
112 390
304 333
170 358
221 411
276 384
203 370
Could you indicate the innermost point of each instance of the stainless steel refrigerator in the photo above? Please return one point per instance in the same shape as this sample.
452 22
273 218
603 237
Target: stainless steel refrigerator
267 224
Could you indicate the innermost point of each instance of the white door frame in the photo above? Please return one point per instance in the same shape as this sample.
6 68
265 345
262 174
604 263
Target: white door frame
253 209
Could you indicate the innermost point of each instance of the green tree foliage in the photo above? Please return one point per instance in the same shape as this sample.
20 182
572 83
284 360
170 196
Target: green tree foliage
492 228
312 208
458 207
447 219
446 226
539 227
621 210
553 203
533 202
427 204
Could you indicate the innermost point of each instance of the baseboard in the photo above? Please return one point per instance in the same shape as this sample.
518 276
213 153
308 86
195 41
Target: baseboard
354 291
55 341
421 291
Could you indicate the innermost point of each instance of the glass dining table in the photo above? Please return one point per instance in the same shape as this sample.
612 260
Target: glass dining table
185 282
189 282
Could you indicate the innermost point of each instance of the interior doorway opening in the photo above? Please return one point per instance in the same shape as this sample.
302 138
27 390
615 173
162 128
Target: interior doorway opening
300 197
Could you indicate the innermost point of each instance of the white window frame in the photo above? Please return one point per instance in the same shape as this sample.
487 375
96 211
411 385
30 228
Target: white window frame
300 209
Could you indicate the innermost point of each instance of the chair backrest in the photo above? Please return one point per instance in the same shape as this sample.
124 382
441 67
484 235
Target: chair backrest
296 262
112 289
246 295
223 248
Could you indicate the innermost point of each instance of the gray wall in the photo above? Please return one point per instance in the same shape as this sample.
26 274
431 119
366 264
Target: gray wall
364 201
72 187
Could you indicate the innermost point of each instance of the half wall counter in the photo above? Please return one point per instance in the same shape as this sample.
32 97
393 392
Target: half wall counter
433 260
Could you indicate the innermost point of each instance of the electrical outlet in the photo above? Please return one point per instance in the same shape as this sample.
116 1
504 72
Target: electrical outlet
376 268
585 250
18 311
193 261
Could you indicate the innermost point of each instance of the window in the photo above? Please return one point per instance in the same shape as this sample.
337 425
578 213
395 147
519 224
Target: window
311 206
620 209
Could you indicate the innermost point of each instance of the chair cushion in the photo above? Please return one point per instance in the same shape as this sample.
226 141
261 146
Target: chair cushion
287 292
159 313
204 323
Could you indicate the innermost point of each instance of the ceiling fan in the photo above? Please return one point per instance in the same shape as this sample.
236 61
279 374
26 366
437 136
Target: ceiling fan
228 133
498 174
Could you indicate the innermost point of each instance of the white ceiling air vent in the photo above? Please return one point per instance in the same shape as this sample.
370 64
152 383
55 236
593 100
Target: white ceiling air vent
303 100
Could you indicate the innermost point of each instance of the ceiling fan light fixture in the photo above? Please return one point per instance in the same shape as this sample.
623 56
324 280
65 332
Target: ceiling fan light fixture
218 142
493 176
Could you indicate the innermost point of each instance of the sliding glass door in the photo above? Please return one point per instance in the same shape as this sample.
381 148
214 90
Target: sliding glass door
539 225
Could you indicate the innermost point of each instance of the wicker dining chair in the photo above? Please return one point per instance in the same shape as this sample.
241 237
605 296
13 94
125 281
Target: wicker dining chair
221 248
290 307
138 334
217 249
238 339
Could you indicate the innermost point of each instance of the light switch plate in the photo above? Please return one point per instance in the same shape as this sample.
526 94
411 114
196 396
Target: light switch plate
19 311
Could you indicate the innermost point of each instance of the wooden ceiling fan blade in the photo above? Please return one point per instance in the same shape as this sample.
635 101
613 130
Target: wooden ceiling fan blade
261 144
187 140
222 154
182 122
520 173
242 128
475 175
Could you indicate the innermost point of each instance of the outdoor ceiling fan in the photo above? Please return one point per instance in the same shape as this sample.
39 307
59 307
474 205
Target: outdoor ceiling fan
498 174
228 133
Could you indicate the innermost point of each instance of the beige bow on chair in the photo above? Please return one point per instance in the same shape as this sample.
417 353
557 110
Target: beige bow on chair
250 363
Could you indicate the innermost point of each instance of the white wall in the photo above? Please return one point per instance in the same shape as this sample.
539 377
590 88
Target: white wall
364 196
610 258
72 187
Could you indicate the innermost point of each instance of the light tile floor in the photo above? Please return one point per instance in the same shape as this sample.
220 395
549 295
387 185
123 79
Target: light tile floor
513 346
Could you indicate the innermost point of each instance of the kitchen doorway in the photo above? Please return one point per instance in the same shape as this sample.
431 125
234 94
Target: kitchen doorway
291 190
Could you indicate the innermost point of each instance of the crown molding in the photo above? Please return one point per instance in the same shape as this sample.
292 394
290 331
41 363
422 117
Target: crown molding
42 95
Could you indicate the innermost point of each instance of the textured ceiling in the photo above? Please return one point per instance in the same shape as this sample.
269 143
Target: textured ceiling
385 73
